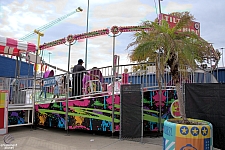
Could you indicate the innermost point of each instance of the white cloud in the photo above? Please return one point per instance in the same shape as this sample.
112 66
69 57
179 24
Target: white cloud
176 7
113 12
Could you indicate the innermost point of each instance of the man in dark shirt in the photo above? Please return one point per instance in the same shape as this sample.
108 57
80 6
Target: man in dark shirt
77 78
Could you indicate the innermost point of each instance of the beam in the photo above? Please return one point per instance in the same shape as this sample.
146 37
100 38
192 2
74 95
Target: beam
54 67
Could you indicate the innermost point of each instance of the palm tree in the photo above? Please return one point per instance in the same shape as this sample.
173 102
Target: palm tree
169 47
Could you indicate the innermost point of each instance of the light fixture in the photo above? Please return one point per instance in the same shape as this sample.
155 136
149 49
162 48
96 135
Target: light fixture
79 9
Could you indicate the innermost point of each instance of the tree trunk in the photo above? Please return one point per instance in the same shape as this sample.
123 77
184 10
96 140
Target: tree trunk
173 63
180 101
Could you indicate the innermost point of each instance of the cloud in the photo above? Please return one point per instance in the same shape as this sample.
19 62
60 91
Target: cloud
176 7
110 13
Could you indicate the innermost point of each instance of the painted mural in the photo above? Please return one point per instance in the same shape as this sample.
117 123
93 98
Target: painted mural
16 117
96 113
152 106
87 114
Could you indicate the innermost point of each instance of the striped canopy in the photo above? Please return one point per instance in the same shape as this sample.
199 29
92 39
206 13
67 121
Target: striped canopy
13 47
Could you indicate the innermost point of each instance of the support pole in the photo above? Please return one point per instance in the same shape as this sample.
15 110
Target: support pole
160 83
113 83
67 91
35 72
142 110
159 7
160 93
87 38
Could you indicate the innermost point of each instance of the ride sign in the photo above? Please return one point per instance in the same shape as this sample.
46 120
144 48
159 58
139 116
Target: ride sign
49 82
172 21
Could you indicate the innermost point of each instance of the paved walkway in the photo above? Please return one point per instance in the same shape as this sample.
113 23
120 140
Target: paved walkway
53 139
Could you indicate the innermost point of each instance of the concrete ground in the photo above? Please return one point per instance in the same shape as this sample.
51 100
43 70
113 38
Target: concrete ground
54 139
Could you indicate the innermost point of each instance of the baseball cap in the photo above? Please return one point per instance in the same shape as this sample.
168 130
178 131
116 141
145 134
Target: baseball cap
80 61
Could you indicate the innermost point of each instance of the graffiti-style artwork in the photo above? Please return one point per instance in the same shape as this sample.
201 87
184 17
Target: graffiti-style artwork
152 108
16 117
175 110
86 114
96 113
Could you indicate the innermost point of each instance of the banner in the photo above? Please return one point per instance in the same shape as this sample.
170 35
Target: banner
172 21
131 103
49 81
206 102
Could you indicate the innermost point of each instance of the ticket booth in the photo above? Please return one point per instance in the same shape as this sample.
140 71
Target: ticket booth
3 112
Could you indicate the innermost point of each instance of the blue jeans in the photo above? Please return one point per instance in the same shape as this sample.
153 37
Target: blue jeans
43 90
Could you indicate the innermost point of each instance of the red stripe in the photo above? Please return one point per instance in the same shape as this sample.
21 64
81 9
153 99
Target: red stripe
34 66
2 49
42 67
2 117
31 47
15 51
11 42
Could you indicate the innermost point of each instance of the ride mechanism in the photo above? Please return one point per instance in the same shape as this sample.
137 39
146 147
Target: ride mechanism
209 63
41 29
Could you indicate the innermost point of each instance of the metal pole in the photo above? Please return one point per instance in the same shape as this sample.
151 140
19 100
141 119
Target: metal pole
49 57
16 77
28 67
160 83
67 91
35 73
159 6
87 38
120 132
160 94
142 112
217 71
16 71
19 68
113 84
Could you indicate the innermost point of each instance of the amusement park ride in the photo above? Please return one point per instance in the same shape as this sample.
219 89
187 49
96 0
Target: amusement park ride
108 118
41 29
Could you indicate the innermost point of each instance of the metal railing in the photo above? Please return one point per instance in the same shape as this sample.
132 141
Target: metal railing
98 81
21 91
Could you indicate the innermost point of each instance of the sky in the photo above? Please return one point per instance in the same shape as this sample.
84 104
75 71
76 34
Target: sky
20 17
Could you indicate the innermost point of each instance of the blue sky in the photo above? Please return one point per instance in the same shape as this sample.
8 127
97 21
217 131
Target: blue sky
19 17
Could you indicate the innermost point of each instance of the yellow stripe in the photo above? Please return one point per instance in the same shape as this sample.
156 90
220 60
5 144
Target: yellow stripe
2 102
193 131
2 96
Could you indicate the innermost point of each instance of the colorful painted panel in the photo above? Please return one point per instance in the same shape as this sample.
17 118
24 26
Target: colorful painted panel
16 117
87 114
191 137
152 106
96 113
3 111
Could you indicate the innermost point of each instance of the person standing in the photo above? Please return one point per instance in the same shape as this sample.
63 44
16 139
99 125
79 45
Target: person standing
96 72
63 79
125 76
77 78
56 90
43 89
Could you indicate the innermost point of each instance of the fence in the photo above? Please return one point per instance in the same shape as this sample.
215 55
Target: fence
21 91
20 96
99 80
